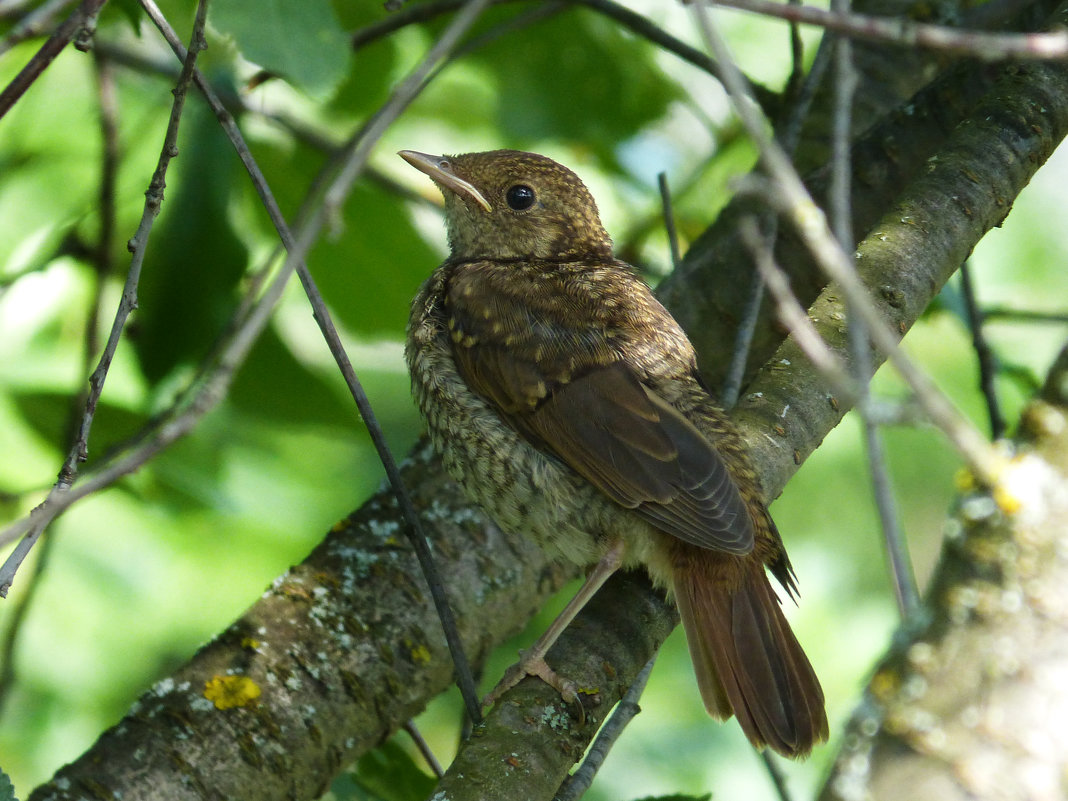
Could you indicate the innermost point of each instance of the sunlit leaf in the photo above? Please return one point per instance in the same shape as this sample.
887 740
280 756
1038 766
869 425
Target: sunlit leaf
194 258
576 76
388 773
302 42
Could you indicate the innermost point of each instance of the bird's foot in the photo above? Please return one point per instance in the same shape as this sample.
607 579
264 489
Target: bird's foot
533 665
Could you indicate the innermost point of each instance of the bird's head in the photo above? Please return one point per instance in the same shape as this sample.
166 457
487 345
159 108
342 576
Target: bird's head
506 204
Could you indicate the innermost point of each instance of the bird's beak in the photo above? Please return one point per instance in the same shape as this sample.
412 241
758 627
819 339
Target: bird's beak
439 169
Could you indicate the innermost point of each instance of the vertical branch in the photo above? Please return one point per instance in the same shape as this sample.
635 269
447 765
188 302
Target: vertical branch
579 782
987 363
788 135
669 219
900 563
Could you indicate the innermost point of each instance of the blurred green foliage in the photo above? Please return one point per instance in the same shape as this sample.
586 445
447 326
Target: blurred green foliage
143 572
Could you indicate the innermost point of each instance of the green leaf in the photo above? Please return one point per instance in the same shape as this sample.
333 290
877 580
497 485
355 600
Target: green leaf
49 415
7 789
388 773
194 259
577 76
273 384
372 270
303 42
367 84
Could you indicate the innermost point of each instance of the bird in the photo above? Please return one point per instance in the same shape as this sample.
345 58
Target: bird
566 401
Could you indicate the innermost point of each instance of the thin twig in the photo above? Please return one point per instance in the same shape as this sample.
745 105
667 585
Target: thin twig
797 57
809 221
101 259
894 30
902 575
72 26
33 24
1024 315
153 200
214 385
788 135
628 708
987 362
793 316
743 339
424 748
669 220
23 603
778 778
789 132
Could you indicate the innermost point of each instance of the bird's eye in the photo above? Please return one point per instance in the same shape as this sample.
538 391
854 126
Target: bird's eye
519 197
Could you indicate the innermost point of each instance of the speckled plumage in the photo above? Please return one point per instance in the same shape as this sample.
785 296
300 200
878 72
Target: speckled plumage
566 401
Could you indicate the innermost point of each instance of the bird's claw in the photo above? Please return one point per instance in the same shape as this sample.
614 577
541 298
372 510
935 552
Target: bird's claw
533 666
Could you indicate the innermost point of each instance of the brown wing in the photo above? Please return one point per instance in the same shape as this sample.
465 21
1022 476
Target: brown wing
625 440
546 357
645 455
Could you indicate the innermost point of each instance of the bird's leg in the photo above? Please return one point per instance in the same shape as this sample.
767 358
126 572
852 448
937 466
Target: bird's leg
532 661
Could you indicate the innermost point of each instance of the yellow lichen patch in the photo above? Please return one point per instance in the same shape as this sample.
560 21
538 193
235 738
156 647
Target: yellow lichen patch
250 643
420 654
884 685
964 480
1007 502
227 692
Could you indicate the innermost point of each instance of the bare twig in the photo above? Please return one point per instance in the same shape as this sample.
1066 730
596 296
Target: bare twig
1024 315
153 200
332 200
84 15
33 24
774 771
976 44
356 157
789 133
797 57
901 572
579 782
214 385
987 364
669 219
810 223
424 748
793 316
743 339
102 263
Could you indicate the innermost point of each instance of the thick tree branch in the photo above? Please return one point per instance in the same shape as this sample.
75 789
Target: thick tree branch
344 649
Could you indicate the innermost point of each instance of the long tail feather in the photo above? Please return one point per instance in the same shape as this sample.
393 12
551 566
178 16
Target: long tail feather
748 660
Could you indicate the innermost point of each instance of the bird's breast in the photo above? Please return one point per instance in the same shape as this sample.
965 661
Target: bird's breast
520 487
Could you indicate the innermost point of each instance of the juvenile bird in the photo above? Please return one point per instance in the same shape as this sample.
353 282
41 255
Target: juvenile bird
566 401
